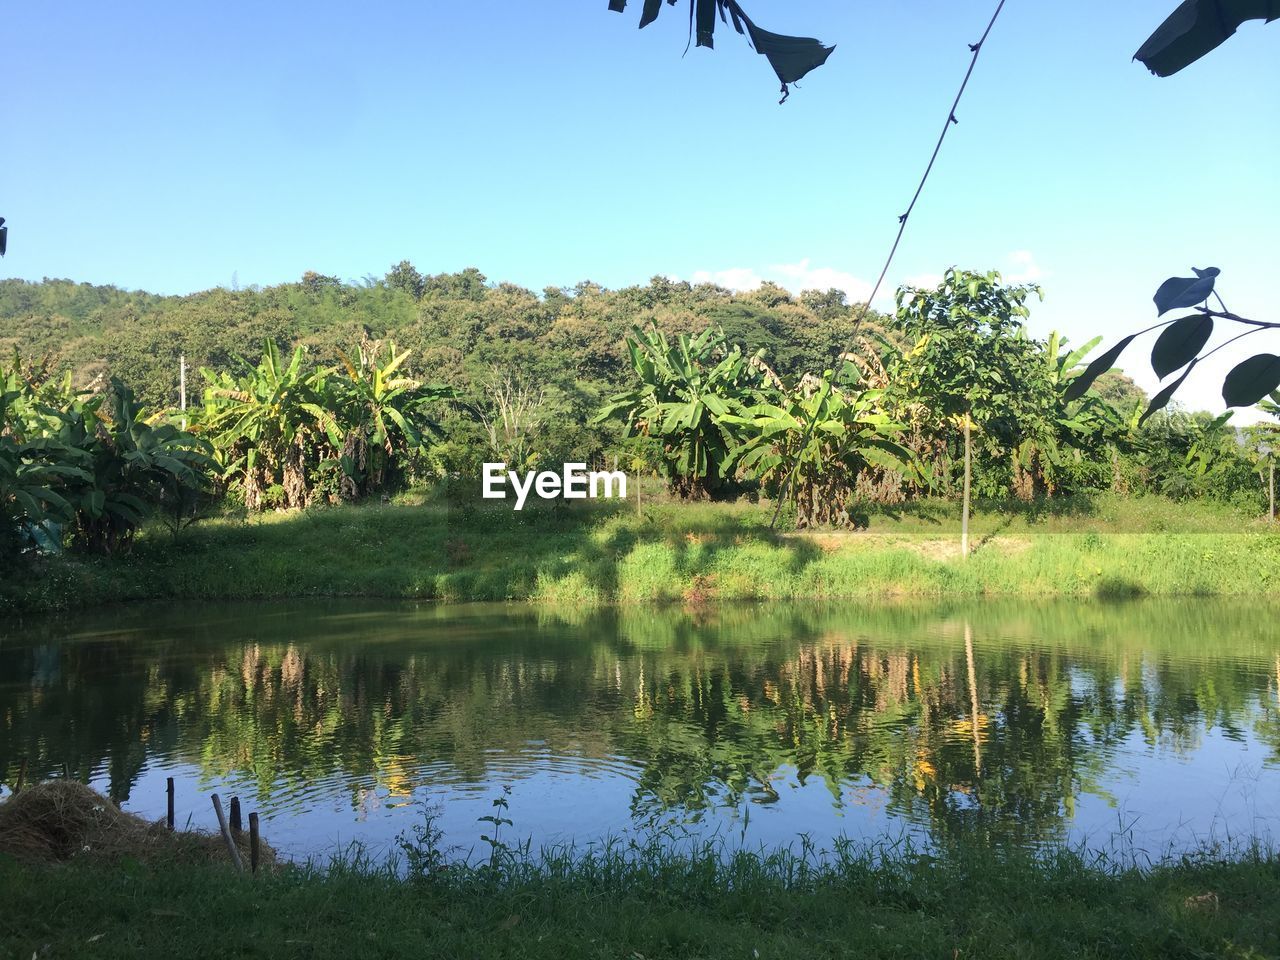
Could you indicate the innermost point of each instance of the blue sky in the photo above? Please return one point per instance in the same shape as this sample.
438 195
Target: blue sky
173 147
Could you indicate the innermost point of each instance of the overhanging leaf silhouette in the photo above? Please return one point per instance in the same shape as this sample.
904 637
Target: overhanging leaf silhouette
1081 384
1177 292
1197 27
1180 343
790 57
1161 399
1251 380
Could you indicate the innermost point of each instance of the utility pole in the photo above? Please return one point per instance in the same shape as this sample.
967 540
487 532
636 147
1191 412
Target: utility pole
182 387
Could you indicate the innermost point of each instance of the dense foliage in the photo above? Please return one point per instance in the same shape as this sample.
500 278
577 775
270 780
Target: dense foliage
362 388
91 468
286 432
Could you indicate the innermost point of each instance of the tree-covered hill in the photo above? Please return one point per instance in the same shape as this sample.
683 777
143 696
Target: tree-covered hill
459 326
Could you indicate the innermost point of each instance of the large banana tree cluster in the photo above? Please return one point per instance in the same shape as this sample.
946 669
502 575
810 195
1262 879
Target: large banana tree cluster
879 429
816 443
689 402
89 468
716 413
282 428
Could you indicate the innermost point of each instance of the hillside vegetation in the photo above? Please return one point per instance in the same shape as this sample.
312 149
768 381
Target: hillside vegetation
792 412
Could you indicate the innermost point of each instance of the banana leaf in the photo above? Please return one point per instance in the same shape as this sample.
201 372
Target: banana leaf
1195 28
791 57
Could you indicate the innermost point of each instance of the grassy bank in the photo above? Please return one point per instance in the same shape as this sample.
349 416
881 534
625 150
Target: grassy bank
654 905
425 548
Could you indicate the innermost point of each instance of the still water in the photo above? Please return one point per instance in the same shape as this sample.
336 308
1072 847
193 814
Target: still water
1154 724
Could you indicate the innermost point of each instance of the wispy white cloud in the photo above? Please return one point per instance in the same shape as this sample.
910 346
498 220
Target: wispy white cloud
1023 268
795 277
738 279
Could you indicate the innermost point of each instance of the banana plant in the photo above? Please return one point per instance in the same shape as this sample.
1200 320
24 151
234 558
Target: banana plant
385 417
1265 439
828 440
1063 428
270 423
134 468
35 473
689 398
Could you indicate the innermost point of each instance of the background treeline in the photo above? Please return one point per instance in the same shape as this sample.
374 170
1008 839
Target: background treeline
463 331
441 372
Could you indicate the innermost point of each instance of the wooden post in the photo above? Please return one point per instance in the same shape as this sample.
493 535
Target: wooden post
253 842
237 825
22 775
1271 485
66 771
168 789
226 834
182 387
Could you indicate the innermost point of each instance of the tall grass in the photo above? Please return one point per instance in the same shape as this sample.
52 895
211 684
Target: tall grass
648 900
430 549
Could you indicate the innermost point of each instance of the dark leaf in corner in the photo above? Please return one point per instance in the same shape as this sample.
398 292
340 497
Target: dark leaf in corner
1251 380
1197 27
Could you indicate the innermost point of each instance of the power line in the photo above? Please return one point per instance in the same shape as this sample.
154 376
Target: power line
976 50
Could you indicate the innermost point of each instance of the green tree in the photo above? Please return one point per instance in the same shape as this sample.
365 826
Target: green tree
972 366
404 276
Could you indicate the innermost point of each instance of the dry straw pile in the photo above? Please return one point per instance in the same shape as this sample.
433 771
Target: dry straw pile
61 820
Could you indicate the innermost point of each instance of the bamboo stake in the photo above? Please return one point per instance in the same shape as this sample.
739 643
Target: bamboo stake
168 789
253 842
226 834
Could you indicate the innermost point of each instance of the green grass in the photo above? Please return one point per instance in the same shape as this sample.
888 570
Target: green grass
653 903
424 548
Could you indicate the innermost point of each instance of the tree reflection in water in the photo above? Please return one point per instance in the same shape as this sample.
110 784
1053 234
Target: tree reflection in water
990 719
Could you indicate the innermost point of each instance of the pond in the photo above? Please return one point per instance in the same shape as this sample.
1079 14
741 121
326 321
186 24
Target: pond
1155 725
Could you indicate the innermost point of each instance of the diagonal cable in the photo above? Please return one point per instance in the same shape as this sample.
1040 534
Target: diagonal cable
976 49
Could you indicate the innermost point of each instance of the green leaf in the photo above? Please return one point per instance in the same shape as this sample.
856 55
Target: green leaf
1251 380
